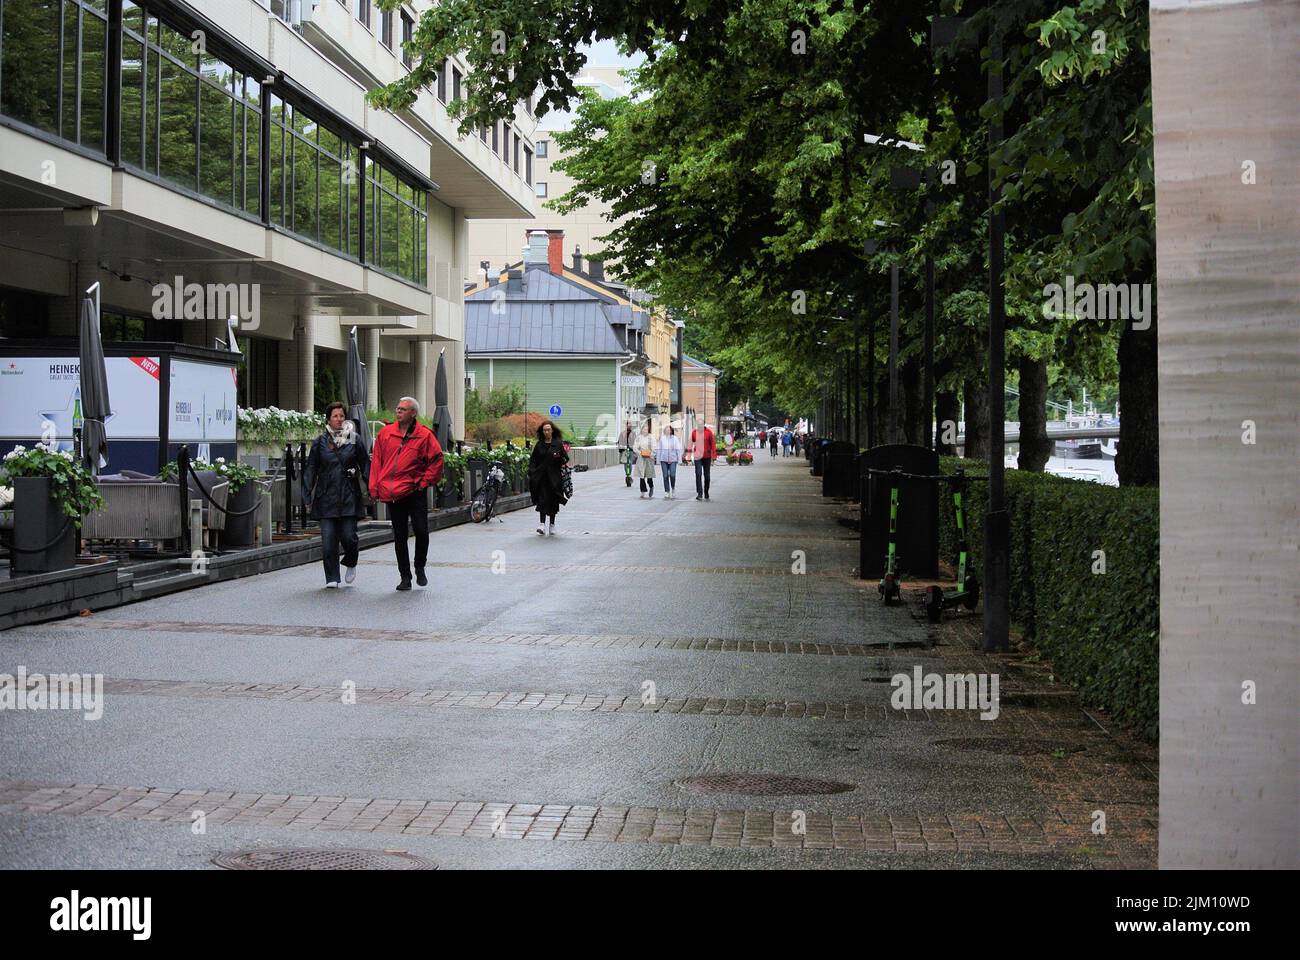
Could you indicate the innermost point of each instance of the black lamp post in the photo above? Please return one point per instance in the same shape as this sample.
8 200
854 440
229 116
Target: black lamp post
944 31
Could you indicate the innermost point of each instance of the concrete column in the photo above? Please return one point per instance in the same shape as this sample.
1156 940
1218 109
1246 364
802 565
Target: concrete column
1226 116
305 357
370 357
420 375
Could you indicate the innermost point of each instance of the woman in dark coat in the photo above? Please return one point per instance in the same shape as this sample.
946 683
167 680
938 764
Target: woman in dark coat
546 476
338 469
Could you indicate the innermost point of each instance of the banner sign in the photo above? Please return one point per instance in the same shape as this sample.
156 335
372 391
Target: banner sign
41 396
202 402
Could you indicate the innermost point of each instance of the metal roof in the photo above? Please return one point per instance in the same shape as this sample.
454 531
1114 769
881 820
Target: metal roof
560 327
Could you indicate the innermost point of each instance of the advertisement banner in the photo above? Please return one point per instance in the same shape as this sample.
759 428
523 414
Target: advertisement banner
202 402
41 397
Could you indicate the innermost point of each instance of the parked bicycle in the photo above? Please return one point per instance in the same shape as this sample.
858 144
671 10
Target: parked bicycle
483 506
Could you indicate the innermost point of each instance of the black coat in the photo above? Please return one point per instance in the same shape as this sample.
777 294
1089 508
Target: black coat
326 485
546 475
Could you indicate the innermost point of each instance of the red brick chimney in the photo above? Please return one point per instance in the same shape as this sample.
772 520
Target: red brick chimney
555 250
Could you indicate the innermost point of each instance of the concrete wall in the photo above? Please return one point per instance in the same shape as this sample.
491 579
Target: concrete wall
1225 82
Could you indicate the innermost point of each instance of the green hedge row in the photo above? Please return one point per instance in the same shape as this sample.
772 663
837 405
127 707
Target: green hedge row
1101 631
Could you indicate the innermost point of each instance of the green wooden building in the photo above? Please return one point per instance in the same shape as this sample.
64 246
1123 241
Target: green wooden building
565 345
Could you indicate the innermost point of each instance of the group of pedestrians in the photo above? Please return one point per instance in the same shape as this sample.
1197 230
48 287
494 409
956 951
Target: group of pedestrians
787 440
667 451
340 480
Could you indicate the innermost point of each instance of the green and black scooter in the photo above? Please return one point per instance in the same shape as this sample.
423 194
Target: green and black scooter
967 593
889 589
629 457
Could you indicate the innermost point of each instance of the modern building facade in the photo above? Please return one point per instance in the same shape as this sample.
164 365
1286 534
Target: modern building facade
228 144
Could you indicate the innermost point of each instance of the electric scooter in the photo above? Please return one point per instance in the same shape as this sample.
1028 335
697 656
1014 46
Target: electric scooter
629 458
967 593
889 589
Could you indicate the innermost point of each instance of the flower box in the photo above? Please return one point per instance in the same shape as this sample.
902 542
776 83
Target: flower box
45 538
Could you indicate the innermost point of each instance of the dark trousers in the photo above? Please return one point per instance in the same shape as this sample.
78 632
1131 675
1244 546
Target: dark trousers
333 531
410 513
650 481
702 470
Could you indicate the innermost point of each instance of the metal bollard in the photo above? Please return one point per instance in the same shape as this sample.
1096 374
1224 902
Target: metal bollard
196 525
264 516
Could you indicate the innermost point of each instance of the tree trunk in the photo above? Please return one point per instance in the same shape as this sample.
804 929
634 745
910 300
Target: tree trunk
946 411
1137 461
1035 448
975 393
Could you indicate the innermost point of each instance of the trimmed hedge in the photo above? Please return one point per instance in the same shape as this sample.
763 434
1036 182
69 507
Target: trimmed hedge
1101 631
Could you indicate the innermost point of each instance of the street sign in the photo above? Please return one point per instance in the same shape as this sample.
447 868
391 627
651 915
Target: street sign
555 410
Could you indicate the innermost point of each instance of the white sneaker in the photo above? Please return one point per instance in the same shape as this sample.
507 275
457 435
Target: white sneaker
550 527
332 585
541 531
349 574
643 496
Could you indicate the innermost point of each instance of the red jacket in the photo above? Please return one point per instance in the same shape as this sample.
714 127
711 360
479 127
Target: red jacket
705 449
401 465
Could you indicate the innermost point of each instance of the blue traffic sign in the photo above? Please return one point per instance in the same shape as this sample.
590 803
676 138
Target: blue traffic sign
555 410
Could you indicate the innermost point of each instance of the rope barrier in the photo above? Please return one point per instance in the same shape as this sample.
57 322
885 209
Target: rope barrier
63 531
229 513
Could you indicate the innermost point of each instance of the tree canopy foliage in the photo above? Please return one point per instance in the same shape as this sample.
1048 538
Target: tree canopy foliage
751 164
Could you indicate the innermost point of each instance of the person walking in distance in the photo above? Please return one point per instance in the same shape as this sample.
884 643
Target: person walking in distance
331 488
773 437
407 461
546 476
645 460
670 454
703 451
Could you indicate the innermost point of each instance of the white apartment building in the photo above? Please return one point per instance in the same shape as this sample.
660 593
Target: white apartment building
229 141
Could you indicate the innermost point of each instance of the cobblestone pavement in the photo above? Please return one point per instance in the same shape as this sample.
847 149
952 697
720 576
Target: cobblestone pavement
569 690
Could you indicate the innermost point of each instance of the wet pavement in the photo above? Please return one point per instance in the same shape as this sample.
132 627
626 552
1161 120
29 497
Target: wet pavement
563 690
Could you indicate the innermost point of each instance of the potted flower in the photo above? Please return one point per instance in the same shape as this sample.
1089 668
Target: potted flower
52 492
242 494
746 456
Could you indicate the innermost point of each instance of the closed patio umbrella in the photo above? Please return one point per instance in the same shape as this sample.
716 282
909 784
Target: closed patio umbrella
441 412
94 387
356 389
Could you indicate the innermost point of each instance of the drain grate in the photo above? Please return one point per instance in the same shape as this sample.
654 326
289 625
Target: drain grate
1012 746
335 858
760 784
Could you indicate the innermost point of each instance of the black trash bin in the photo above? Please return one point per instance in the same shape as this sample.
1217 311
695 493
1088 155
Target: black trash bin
918 511
840 470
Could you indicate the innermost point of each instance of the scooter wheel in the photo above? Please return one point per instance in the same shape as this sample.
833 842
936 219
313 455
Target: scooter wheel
628 480
934 604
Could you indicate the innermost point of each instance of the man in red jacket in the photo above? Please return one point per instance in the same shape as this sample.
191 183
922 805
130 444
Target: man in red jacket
703 450
406 461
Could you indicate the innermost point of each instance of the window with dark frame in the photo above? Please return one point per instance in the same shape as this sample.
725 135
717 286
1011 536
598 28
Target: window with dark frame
528 166
386 28
542 147
408 30
442 82
361 10
541 188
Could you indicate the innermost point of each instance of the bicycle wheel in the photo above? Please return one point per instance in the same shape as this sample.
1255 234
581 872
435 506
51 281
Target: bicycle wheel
490 498
479 508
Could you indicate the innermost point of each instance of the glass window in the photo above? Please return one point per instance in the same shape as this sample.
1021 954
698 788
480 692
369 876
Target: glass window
442 82
541 188
386 28
133 17
455 83
408 28
304 189
252 154
132 100
361 10
331 193
542 147
176 136
528 166
93 61
216 143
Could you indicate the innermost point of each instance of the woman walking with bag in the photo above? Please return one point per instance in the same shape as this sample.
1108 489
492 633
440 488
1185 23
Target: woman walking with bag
337 470
670 454
546 476
645 460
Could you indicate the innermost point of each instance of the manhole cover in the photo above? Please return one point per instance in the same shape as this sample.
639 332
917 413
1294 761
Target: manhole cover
1012 746
758 784
336 858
